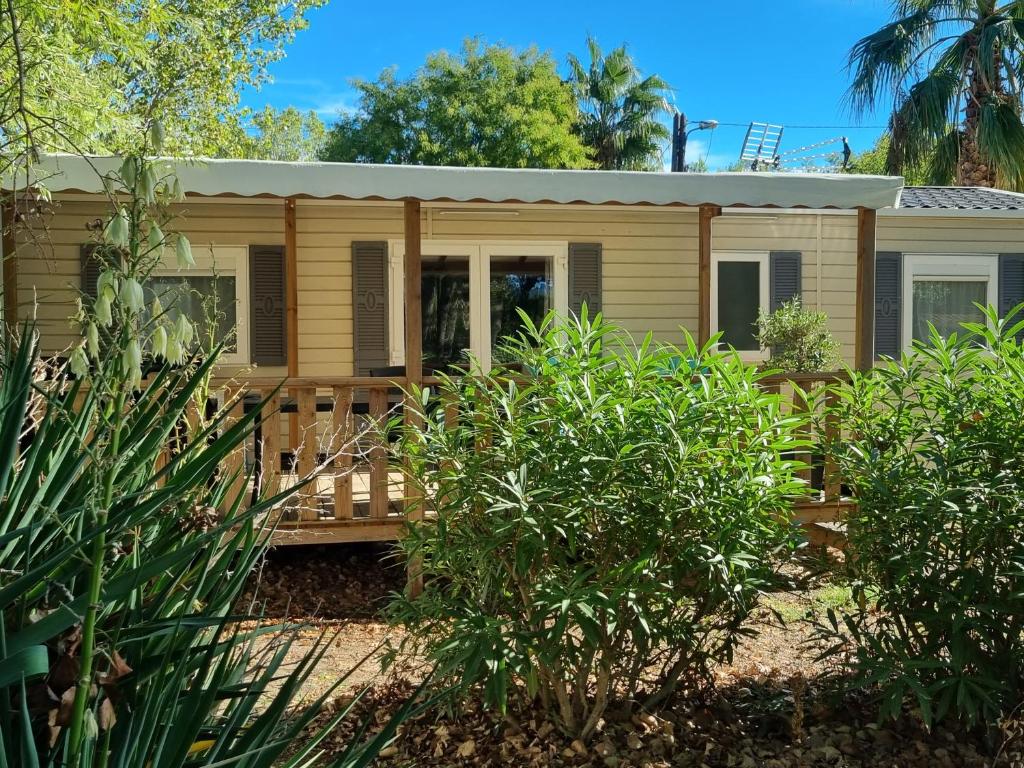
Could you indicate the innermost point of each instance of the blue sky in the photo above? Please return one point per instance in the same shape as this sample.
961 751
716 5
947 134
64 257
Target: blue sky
781 61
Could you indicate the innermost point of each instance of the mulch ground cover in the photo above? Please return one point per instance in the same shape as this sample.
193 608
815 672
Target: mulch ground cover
774 706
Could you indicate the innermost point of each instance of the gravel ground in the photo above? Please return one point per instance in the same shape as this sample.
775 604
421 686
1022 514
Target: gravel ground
773 706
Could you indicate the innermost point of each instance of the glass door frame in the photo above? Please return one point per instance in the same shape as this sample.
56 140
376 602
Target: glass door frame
479 253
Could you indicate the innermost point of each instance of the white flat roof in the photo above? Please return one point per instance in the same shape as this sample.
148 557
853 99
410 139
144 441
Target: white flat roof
251 178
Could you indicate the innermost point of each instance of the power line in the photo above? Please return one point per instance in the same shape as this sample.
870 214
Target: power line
815 127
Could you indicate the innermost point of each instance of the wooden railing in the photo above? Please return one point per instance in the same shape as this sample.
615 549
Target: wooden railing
358 492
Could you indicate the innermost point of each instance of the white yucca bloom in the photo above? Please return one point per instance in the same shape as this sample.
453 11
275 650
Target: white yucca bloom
184 331
116 232
155 236
102 310
131 358
158 308
147 184
177 193
106 284
92 341
131 295
158 342
78 362
175 354
127 172
183 250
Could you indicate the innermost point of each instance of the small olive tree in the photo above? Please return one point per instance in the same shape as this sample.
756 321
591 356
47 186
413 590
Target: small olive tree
604 525
800 340
934 454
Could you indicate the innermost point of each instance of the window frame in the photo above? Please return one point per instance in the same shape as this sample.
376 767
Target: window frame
763 259
479 253
952 267
220 261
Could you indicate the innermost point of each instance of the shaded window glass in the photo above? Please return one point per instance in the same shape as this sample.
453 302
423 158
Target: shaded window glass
517 282
445 306
207 301
946 304
739 299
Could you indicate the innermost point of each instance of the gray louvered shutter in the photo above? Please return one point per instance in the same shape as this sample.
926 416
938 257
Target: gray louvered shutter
785 283
91 268
1011 283
370 302
888 296
585 278
268 323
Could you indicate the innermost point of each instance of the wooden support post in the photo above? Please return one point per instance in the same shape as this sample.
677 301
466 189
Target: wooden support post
291 307
271 470
10 268
833 487
343 462
865 309
413 501
379 481
308 452
704 218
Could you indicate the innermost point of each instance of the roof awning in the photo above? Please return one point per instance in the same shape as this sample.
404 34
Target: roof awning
263 178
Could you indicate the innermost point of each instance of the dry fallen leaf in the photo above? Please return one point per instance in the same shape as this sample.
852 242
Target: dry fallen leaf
467 748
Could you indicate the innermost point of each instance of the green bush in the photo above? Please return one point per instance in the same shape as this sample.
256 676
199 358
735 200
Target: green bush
934 454
604 525
800 341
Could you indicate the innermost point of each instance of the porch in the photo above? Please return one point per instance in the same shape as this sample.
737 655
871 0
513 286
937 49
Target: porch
358 491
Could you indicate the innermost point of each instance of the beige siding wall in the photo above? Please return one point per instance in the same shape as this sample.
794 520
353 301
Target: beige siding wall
650 258
49 279
828 244
919 234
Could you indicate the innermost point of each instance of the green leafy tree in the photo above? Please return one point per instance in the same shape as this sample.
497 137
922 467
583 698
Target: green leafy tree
84 77
874 162
621 111
285 134
952 69
488 106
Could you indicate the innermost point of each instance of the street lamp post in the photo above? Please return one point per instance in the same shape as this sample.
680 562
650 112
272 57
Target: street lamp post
680 133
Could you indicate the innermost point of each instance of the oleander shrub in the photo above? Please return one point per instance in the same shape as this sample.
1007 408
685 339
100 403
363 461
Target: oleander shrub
604 523
933 452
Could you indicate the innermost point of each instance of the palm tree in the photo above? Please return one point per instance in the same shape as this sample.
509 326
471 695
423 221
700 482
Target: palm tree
619 110
953 68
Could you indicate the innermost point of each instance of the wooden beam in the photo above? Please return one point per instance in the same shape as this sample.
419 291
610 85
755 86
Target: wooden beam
413 311
865 310
10 268
413 364
291 308
706 214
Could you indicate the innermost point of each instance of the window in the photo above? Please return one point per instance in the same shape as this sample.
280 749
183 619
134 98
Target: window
943 289
213 295
471 293
739 289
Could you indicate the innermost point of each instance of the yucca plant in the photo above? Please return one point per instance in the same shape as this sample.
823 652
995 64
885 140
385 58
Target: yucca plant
120 565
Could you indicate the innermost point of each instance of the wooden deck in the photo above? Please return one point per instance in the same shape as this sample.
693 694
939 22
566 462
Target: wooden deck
329 429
